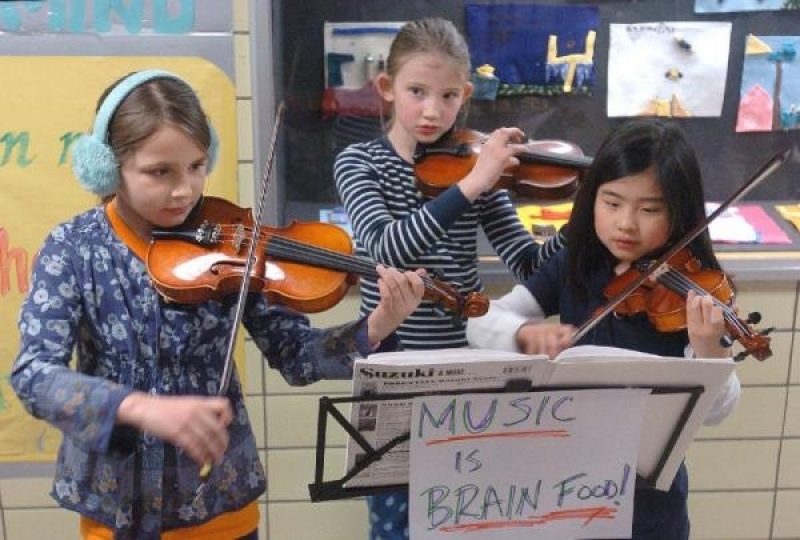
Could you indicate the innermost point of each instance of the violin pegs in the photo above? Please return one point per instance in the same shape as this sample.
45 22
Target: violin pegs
741 356
754 317
726 341
766 331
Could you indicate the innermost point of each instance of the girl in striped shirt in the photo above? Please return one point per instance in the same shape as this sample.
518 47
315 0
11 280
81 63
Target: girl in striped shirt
426 82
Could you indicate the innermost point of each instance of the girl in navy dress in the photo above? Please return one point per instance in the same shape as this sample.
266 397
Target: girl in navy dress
642 193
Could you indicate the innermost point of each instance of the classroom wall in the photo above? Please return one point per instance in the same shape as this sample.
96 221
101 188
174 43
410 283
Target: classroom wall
745 473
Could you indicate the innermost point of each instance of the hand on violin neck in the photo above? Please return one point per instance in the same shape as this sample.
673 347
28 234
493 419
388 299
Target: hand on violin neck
705 323
497 154
401 293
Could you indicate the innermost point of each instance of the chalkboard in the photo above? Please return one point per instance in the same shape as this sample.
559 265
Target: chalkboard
727 158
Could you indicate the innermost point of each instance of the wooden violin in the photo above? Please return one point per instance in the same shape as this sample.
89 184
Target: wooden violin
547 170
663 298
307 266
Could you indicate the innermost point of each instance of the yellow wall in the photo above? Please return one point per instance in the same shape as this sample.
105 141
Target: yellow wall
744 474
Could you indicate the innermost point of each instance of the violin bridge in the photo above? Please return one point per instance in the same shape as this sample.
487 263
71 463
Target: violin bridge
238 237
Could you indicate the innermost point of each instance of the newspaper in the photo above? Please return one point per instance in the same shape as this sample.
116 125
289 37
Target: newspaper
418 372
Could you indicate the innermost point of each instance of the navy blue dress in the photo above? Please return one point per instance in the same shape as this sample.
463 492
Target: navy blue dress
657 515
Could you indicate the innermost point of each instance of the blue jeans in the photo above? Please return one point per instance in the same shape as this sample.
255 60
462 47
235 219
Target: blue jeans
388 516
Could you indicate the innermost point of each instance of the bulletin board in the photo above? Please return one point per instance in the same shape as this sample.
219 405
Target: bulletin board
727 157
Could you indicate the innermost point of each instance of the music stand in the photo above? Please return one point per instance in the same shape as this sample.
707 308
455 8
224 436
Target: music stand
321 490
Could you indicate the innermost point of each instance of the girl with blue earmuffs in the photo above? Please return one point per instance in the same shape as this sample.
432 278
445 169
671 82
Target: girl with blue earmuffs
139 410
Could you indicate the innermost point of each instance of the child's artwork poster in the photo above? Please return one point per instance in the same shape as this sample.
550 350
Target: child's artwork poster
722 6
668 69
545 465
534 49
770 91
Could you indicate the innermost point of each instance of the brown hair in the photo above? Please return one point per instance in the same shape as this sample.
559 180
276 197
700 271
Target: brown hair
432 36
149 107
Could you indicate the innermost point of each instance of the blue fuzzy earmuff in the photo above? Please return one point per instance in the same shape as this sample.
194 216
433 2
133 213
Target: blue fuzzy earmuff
93 160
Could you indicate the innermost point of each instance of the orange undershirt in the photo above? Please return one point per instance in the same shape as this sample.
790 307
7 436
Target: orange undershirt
229 525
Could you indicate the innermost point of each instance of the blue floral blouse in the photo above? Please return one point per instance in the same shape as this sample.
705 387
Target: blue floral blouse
90 294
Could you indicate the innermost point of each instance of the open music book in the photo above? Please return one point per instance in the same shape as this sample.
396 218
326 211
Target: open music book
682 392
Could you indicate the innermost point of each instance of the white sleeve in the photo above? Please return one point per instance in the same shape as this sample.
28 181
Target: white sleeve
726 399
498 328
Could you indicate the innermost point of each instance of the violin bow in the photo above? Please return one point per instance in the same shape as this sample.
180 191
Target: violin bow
227 370
773 164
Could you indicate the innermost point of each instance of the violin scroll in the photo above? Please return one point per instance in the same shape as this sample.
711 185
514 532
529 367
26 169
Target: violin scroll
756 344
474 304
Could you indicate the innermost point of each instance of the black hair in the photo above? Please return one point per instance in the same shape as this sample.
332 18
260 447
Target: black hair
633 147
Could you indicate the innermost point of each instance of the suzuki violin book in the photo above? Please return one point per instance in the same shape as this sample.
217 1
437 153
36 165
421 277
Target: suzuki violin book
681 394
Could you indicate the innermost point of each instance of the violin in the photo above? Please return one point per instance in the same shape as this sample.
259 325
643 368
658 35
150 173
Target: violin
307 266
663 298
547 169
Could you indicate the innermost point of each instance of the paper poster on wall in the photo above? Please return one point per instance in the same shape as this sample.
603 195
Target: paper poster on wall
668 69
721 6
534 49
46 103
770 90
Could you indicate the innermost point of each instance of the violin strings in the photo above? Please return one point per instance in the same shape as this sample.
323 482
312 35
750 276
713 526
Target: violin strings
295 251
682 285
318 256
290 249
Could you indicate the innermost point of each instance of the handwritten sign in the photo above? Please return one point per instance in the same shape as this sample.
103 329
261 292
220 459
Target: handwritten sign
554 465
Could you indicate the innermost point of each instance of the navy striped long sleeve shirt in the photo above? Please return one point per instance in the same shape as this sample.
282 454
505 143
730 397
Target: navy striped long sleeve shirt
395 224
